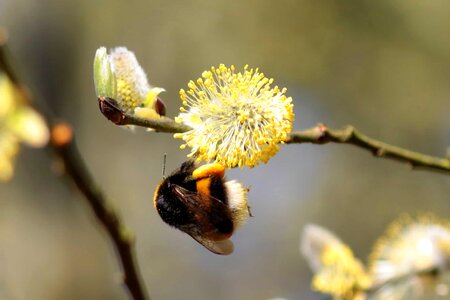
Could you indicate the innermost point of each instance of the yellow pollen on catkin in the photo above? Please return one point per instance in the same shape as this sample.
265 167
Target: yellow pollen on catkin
125 92
341 272
238 119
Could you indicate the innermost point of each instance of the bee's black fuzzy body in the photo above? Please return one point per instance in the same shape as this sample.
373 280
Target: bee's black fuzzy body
196 200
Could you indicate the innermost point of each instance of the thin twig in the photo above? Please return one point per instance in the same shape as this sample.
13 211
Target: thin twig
64 144
112 112
162 125
430 271
4 65
321 134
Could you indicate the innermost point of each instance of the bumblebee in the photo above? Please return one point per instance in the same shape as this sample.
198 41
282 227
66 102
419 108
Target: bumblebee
200 202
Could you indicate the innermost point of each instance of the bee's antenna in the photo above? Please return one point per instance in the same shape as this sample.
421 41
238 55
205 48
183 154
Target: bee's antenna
164 166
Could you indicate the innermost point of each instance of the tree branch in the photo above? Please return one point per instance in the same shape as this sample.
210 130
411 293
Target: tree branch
4 65
63 142
112 112
430 271
319 134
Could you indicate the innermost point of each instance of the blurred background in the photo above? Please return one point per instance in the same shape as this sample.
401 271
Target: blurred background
382 66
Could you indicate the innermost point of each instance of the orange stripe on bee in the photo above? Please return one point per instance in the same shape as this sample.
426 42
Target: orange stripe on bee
203 189
209 170
210 230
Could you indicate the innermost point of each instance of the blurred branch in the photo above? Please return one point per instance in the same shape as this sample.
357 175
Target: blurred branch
64 144
4 65
430 271
319 134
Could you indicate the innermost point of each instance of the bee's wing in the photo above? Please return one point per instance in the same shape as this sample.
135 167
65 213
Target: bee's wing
224 247
193 199
194 202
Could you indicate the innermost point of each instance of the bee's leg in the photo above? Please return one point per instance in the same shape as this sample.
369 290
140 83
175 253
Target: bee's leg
249 211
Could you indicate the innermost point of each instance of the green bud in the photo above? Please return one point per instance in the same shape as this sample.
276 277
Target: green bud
104 77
